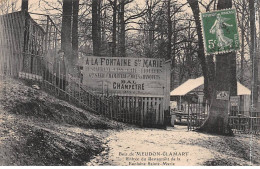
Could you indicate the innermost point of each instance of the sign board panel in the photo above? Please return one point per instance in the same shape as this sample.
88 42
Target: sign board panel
220 31
223 95
234 100
125 76
30 76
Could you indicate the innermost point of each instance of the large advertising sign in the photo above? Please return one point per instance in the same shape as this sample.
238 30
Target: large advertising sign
125 76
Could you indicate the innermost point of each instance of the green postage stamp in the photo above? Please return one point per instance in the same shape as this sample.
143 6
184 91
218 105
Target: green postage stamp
220 31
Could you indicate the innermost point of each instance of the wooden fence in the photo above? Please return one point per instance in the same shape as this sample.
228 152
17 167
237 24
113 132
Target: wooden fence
25 46
22 39
195 114
239 121
11 43
245 122
143 111
192 114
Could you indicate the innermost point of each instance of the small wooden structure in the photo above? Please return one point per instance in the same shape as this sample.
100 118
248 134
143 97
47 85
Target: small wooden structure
193 88
11 43
240 117
22 39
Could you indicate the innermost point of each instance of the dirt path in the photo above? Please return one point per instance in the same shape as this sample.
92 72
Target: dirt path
174 146
38 129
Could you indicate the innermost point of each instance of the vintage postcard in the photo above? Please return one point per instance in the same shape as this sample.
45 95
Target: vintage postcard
129 83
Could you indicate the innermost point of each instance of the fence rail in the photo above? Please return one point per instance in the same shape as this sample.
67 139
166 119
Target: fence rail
245 122
28 48
196 115
144 111
239 121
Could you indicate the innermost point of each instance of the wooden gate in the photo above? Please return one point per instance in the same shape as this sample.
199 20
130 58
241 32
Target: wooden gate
196 114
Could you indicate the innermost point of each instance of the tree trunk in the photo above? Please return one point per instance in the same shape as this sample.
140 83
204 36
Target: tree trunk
188 53
150 50
217 121
169 22
25 5
212 75
173 54
66 32
114 28
195 9
258 56
75 40
121 18
242 43
254 91
96 34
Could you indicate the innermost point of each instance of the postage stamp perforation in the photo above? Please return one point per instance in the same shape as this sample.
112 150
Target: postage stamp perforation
227 44
203 35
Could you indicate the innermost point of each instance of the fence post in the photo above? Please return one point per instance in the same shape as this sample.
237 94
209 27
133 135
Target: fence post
79 92
142 111
239 122
188 119
111 107
117 107
69 83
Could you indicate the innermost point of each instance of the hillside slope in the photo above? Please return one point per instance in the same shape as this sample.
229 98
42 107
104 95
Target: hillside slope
38 129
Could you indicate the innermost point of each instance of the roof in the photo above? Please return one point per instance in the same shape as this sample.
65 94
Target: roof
192 84
187 86
242 90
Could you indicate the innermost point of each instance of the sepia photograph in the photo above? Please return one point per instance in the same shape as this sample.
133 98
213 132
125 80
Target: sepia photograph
129 83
